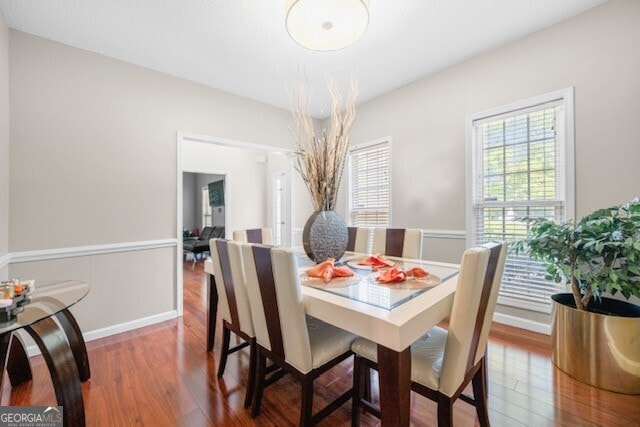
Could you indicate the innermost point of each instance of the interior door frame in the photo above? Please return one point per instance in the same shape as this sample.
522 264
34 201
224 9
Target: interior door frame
205 139
286 184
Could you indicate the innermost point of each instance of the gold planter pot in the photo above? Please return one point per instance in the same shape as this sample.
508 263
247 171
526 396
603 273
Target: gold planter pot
599 349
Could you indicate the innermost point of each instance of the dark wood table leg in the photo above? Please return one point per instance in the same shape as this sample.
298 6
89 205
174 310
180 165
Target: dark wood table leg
212 313
62 366
395 386
76 342
18 365
5 343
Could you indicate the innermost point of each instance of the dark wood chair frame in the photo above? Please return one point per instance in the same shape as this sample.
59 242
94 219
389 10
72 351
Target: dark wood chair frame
234 325
476 374
262 256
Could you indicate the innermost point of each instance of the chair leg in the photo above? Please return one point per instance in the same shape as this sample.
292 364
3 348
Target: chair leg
485 368
261 362
252 373
367 382
226 337
307 401
480 394
445 413
357 391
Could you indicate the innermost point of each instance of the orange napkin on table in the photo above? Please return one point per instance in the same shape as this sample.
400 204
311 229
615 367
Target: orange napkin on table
377 261
417 272
394 275
327 270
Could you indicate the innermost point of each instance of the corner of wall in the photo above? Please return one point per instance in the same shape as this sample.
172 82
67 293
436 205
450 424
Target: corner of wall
4 143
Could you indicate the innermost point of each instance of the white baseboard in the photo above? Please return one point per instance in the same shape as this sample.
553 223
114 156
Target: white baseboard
33 350
518 322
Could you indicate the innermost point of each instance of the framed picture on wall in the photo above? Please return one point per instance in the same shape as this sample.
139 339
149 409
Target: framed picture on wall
216 193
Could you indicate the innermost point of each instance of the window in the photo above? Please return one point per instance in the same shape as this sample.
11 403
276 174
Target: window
369 185
207 218
522 166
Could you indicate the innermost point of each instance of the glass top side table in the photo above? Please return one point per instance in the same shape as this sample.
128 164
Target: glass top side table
59 340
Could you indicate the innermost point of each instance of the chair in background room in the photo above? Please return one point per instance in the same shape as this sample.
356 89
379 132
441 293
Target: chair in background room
263 236
443 362
233 304
201 244
301 345
358 239
400 242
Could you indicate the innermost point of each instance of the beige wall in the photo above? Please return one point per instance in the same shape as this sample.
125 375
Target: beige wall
125 287
597 52
4 144
93 143
93 155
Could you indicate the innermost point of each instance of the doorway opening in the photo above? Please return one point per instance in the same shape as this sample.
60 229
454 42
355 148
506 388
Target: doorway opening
246 172
203 212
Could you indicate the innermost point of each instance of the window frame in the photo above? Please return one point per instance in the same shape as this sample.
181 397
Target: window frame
566 97
362 146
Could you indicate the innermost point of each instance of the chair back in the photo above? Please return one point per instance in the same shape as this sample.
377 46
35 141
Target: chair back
400 242
358 239
276 304
205 234
263 236
233 298
473 307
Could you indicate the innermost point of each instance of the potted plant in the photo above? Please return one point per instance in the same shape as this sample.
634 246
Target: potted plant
595 339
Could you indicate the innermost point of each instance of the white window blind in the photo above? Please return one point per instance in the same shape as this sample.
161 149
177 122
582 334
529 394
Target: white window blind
369 185
519 171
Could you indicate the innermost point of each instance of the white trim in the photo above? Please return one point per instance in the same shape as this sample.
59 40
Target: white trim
179 224
444 234
78 251
33 350
519 322
569 154
368 144
231 143
5 259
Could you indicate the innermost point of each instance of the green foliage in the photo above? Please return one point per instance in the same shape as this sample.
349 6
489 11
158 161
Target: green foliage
599 253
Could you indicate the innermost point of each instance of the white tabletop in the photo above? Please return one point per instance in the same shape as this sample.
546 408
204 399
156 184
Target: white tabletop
395 329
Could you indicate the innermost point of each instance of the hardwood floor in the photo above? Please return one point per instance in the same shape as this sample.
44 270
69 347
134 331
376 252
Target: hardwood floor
161 375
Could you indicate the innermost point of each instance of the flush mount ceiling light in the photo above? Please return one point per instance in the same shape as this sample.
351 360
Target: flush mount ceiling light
326 24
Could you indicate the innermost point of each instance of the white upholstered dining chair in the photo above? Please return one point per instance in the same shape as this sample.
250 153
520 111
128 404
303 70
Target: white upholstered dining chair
358 239
399 242
301 345
443 362
233 305
262 236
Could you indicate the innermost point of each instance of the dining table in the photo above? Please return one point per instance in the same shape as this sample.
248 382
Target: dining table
393 315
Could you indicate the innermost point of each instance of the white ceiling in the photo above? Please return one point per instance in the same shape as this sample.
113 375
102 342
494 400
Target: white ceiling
242 46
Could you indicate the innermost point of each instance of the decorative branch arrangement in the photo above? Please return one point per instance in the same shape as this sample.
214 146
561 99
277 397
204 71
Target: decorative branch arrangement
320 158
